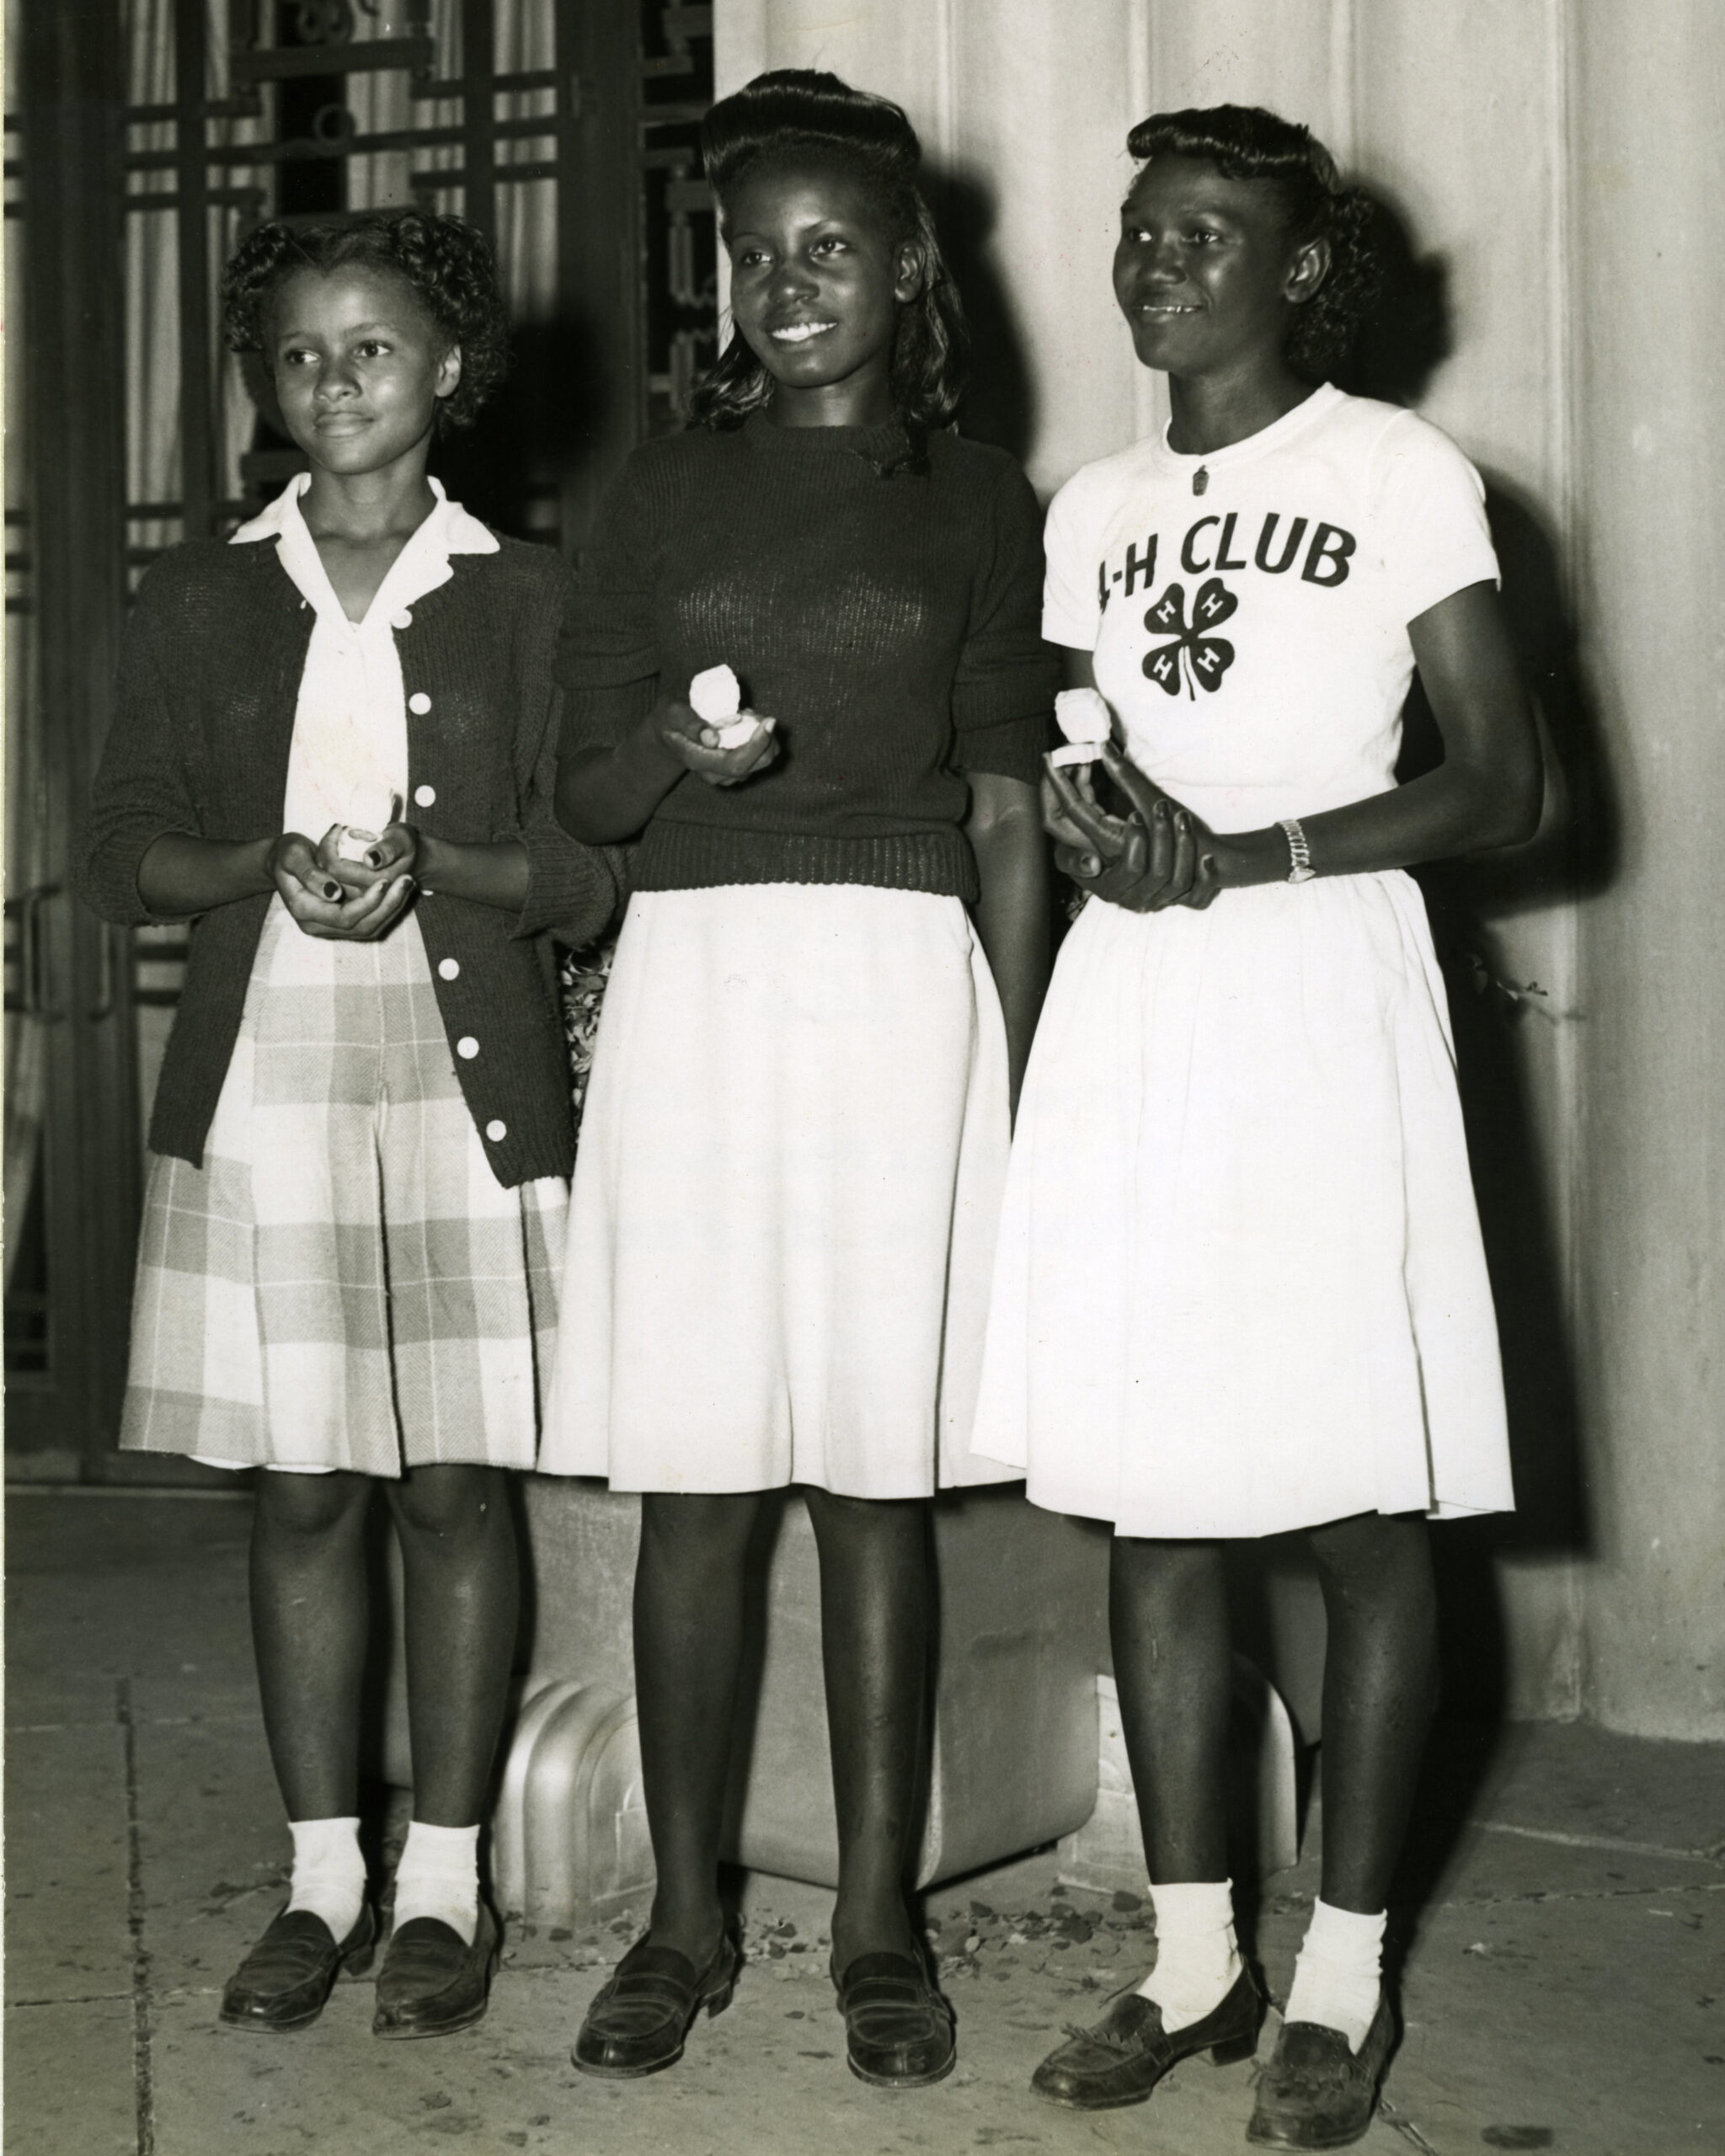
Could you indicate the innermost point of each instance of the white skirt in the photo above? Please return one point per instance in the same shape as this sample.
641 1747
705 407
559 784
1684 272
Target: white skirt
783 1215
1240 1286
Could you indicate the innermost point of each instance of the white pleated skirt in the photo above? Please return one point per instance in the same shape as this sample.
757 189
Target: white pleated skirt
1240 1286
783 1215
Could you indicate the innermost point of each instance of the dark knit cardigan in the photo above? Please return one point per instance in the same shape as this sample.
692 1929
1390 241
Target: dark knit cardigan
209 679
889 624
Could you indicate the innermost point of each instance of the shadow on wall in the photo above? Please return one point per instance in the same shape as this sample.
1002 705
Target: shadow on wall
542 429
1001 405
1496 1013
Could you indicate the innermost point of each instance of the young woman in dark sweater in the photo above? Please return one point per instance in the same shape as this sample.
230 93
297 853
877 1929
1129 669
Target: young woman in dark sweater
362 1136
824 995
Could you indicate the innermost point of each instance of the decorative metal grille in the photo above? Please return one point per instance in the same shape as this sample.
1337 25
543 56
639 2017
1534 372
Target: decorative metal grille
244 110
240 109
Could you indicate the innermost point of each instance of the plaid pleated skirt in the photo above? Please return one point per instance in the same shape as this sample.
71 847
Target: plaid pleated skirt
344 1284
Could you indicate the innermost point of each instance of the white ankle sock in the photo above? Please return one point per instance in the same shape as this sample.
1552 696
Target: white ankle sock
1339 1973
329 1872
1197 1958
438 1876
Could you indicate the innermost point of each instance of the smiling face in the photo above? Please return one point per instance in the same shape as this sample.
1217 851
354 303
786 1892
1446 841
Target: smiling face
816 285
359 365
1205 272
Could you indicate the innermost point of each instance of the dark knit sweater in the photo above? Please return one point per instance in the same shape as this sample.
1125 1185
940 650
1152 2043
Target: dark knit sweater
209 680
890 625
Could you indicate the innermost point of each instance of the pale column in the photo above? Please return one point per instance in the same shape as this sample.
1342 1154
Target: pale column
1045 98
1649 175
1459 130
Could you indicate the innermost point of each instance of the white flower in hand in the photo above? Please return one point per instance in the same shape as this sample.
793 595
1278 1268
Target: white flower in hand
1084 717
717 697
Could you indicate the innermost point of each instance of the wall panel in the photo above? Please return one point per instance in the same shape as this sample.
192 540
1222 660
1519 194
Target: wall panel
1647 175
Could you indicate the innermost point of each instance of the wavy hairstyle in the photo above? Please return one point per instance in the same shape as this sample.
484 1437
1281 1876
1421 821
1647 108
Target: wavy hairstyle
1246 142
446 262
795 109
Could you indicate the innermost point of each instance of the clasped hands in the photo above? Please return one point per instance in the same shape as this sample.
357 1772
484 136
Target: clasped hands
342 900
1158 855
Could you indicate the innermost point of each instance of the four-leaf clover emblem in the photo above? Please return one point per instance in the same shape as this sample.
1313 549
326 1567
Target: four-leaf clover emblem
1196 656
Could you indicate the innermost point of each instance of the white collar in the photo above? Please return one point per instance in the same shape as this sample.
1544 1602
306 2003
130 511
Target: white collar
421 566
459 533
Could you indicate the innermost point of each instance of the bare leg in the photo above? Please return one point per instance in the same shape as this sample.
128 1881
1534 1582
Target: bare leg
1168 1621
310 1618
460 1566
1381 1690
688 1654
874 1619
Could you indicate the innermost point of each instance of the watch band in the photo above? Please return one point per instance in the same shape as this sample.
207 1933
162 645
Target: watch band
1300 868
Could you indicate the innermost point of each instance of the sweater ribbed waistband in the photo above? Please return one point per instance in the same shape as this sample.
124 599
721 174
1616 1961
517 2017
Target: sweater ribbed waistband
675 856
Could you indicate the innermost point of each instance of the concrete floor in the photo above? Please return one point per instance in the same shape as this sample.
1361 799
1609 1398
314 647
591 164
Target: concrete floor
1562 1981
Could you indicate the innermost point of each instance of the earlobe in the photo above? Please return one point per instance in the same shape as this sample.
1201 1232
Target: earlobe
909 279
449 372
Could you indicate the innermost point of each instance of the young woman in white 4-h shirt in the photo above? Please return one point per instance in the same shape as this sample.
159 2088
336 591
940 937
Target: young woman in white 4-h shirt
1241 1288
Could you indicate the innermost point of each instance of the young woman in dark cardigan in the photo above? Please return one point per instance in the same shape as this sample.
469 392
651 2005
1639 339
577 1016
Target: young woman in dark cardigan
825 986
331 755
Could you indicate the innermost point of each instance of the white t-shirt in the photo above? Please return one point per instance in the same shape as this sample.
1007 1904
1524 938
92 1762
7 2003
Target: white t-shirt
1252 636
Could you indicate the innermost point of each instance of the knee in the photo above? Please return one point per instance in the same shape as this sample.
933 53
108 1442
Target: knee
697 1529
864 1523
1139 1568
448 1501
310 1505
1377 1562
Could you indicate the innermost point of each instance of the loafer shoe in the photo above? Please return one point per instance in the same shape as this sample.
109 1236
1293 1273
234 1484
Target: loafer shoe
898 2028
1123 2057
640 2018
432 1981
1315 2092
283 1983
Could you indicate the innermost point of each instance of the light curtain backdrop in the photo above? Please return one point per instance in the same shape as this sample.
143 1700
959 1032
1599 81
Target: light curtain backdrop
1561 161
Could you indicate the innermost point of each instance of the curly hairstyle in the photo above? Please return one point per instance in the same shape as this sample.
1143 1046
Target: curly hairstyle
1246 142
795 109
446 262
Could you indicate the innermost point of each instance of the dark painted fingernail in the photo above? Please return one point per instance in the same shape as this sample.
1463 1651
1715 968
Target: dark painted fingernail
332 890
373 858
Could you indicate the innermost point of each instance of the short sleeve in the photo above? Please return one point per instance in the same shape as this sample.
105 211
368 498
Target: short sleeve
1072 614
1429 506
1003 691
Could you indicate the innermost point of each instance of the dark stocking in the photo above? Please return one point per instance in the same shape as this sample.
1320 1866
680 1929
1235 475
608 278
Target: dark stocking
1380 1689
688 1652
310 1617
1168 1621
460 1565
874 1618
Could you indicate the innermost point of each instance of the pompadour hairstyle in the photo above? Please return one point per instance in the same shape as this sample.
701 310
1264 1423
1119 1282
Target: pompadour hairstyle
795 110
1246 142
